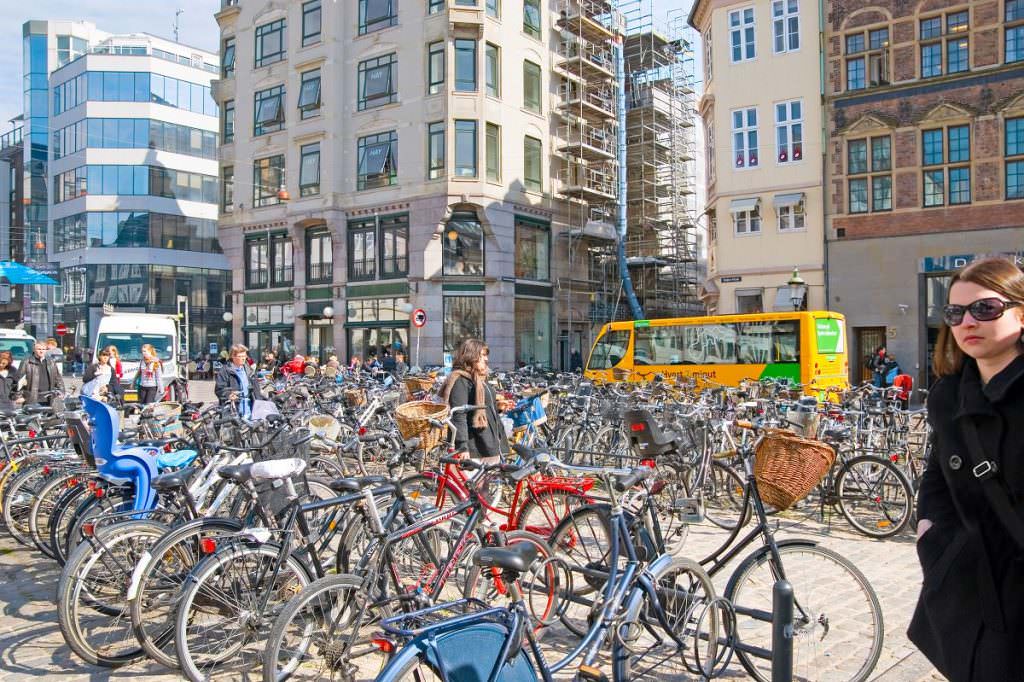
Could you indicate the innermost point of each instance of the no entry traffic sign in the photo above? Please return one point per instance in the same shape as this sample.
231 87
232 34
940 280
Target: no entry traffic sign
419 317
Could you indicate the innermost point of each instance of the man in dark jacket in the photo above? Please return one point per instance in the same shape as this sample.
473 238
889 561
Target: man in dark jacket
236 382
40 376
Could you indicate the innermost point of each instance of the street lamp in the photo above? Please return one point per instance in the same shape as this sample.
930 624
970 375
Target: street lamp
227 316
797 289
328 312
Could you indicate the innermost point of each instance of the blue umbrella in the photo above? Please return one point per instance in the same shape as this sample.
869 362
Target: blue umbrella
16 273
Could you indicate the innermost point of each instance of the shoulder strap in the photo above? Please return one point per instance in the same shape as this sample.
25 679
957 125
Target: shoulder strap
985 471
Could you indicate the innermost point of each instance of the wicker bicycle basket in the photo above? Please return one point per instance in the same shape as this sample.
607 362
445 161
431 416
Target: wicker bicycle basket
788 467
413 420
418 384
355 397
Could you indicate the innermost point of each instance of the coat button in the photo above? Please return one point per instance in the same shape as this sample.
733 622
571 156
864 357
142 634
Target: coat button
955 462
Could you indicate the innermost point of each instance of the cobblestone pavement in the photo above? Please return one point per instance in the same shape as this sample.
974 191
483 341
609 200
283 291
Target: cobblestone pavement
31 645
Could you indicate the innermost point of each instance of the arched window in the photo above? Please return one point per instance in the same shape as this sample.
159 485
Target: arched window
463 245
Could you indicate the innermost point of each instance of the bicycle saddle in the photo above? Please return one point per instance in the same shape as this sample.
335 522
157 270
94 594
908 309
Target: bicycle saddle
517 557
175 479
239 473
837 433
274 469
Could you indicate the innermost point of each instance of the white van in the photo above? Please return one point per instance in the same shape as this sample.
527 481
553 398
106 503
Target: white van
129 332
18 342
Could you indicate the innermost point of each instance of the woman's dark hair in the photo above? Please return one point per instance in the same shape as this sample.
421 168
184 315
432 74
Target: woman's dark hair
468 352
1002 276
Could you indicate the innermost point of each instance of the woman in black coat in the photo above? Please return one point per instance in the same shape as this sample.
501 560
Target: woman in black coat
478 432
969 619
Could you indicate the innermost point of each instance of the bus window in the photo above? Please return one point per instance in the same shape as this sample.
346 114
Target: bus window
786 342
609 349
762 343
658 346
719 344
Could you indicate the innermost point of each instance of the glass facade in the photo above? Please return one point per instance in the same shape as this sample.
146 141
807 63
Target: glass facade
36 140
134 181
131 86
135 229
134 133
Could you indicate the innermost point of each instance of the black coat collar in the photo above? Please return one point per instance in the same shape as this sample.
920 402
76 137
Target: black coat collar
978 399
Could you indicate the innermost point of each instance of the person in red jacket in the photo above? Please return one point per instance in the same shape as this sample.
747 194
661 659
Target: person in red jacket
905 383
294 366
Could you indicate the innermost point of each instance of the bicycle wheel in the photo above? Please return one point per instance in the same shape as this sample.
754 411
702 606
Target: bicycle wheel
542 511
92 607
583 541
20 494
63 515
723 497
227 607
323 633
45 504
837 622
157 581
685 596
874 496
416 669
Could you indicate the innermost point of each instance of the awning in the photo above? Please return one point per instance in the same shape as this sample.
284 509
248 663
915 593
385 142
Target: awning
784 304
709 289
785 200
741 205
16 273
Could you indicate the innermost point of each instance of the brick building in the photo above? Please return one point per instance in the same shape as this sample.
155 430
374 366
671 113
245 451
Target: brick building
925 160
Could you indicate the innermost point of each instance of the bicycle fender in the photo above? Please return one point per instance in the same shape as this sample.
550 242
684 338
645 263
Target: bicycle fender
760 552
631 609
410 651
469 654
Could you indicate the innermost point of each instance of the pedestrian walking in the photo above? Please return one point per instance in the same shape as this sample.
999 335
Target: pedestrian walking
876 364
969 619
38 377
114 358
99 378
79 361
890 369
149 380
8 376
401 368
479 432
236 383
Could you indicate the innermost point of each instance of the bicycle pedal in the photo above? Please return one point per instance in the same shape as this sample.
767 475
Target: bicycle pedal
590 674
688 509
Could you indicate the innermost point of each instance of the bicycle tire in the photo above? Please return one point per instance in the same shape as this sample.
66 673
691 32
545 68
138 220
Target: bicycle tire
878 508
45 504
201 595
157 583
18 501
583 540
416 669
91 605
726 488
541 512
827 590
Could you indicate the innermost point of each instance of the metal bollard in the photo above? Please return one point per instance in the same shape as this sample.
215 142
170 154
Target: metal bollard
782 632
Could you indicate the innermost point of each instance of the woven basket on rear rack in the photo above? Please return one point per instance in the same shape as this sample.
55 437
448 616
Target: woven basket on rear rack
418 384
355 397
788 467
413 418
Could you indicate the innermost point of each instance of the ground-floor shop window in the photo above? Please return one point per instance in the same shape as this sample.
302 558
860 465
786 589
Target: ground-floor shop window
463 319
533 332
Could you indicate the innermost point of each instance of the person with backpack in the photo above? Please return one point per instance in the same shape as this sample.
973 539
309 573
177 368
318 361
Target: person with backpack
876 363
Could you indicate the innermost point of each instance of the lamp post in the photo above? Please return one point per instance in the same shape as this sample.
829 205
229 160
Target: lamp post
326 351
797 289
228 316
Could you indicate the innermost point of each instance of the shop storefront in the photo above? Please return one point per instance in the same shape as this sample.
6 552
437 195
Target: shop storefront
377 326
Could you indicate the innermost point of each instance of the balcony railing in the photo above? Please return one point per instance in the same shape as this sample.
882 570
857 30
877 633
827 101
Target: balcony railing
11 138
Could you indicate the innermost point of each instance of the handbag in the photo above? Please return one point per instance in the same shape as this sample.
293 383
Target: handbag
986 472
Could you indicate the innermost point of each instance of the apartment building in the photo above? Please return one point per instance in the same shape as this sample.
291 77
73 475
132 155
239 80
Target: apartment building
762 117
382 157
121 179
925 161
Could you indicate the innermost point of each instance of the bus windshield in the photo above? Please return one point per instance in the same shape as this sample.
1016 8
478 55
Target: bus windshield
19 348
609 350
129 345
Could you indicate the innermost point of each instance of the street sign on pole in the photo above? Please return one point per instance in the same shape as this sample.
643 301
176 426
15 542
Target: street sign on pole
61 329
419 318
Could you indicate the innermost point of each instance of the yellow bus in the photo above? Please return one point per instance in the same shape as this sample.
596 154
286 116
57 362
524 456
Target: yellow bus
805 347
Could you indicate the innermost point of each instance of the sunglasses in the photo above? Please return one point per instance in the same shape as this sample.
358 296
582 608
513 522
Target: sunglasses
982 310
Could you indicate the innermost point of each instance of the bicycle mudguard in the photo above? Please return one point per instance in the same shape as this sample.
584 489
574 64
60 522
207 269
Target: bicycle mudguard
467 654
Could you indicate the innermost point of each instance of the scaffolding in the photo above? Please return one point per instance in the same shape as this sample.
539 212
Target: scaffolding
660 171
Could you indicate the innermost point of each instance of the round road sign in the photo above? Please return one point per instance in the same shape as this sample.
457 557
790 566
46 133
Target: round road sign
419 317
61 329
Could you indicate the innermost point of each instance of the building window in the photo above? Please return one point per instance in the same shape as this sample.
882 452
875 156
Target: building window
747 221
466 3
708 71
463 252
872 191
1015 158
435 6
533 248
465 149
435 68
493 152
946 157
362 249
791 217
227 184
951 44
532 168
257 262
282 269
319 257
270 43
465 65
463 319
309 169
749 301
867 61
789 131
375 15
493 8
267 179
710 167
227 59
377 82
1014 30
786 25
533 332
268 110
531 87
378 160
744 137
311 22
309 94
228 128
394 246
435 150
492 70
531 18
741 34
